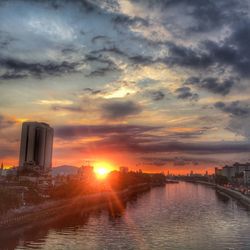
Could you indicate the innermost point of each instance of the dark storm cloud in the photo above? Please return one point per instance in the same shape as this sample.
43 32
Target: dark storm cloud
148 145
141 60
102 71
235 108
239 122
128 21
99 37
212 84
111 49
101 66
120 109
87 5
98 58
196 148
186 57
20 69
157 95
92 91
207 15
69 132
98 7
232 51
16 69
13 75
186 93
136 139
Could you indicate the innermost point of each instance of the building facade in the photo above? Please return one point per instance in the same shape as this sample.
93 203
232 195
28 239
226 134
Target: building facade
36 146
239 172
247 177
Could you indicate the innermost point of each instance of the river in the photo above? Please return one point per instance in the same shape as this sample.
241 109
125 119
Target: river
177 216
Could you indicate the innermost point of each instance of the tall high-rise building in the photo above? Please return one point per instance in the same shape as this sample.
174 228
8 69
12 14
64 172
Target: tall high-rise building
36 146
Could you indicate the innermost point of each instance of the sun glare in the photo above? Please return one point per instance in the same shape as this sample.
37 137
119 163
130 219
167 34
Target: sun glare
101 173
102 169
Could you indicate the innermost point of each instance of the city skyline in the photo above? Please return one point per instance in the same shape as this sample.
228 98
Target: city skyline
157 85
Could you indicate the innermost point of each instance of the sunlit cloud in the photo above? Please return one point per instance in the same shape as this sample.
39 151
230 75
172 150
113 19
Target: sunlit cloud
121 92
123 76
50 102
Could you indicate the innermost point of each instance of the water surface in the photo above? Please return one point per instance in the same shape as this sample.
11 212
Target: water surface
178 216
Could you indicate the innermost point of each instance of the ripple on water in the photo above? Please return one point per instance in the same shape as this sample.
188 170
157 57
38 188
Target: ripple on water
179 216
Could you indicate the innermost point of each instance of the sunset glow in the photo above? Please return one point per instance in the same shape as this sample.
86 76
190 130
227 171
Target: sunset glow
101 173
123 73
101 169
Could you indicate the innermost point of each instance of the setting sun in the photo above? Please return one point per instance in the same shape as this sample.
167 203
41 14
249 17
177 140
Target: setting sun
101 172
102 169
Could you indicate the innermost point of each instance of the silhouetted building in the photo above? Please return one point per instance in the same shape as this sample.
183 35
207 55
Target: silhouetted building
229 172
237 170
1 169
86 172
247 177
36 146
124 170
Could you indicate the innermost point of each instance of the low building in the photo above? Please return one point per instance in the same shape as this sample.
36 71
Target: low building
218 171
124 170
247 177
229 172
86 172
241 167
236 173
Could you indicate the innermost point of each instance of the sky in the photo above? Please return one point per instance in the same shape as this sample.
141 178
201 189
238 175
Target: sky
155 85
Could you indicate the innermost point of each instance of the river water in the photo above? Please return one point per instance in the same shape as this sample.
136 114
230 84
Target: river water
177 216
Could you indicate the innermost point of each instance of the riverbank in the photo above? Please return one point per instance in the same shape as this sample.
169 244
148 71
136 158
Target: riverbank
163 218
243 199
45 213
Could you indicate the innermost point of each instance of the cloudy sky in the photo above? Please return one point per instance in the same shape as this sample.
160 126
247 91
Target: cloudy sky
151 84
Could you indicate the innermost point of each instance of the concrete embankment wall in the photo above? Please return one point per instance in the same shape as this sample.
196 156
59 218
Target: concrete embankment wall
243 199
57 209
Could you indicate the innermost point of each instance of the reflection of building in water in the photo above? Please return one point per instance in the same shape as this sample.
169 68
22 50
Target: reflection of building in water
36 146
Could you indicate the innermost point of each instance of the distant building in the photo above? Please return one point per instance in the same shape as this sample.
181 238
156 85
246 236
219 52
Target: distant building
124 170
1 169
36 146
86 171
218 171
229 172
241 167
237 170
247 177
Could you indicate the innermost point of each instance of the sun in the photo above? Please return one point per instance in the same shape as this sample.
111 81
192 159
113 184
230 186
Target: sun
102 169
101 173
